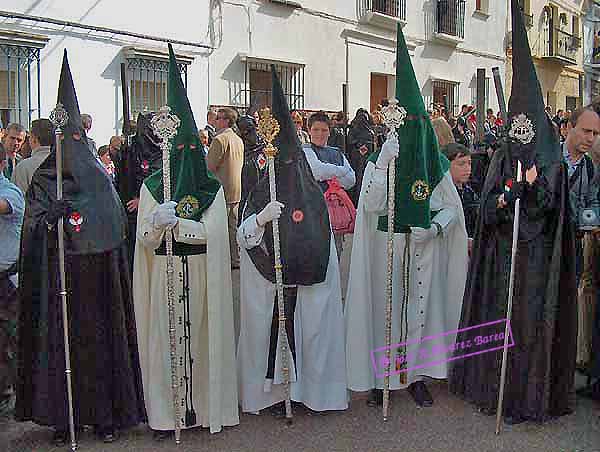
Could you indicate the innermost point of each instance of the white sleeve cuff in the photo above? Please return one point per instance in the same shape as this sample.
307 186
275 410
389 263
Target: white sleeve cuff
250 234
190 232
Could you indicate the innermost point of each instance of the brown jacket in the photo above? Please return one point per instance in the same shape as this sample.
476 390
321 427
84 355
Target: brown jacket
225 159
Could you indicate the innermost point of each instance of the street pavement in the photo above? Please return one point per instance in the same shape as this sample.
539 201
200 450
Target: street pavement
451 425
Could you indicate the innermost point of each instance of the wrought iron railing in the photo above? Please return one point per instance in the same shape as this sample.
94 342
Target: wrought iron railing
392 8
451 17
562 44
528 19
19 84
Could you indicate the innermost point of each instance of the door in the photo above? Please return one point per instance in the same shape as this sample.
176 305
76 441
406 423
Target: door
379 92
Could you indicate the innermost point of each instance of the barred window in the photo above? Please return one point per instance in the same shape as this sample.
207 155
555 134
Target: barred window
446 93
20 77
147 75
257 92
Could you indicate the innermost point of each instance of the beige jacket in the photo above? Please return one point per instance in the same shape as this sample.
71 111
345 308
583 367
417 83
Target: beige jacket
226 157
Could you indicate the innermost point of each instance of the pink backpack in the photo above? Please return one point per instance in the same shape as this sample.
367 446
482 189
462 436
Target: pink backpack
342 213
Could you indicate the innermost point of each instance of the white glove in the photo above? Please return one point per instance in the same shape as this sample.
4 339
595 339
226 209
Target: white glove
422 235
271 212
165 216
389 151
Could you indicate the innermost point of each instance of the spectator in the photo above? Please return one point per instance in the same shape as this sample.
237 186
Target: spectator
12 207
13 140
548 111
41 139
204 141
582 132
327 162
299 122
225 160
558 117
211 124
563 126
86 121
442 130
337 137
25 151
114 147
460 170
107 163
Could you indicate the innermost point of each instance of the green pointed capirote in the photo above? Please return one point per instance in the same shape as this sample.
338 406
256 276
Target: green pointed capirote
419 166
193 187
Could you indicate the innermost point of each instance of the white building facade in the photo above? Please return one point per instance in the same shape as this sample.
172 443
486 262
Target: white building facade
225 49
591 47
318 46
33 35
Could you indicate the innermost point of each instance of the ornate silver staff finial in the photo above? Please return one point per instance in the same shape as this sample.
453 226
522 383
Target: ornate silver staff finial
59 116
165 124
393 115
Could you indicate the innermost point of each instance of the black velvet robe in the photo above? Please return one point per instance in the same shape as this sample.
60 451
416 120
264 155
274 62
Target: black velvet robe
106 376
541 365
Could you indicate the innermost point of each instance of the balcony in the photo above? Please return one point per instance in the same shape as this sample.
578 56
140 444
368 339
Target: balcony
383 13
450 21
561 47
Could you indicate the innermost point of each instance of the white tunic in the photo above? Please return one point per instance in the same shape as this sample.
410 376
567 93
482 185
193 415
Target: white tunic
318 331
214 382
436 285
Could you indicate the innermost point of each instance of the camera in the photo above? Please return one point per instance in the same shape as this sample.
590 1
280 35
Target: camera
589 217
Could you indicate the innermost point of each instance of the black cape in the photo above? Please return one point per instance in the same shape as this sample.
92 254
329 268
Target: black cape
138 160
541 365
107 385
361 133
304 228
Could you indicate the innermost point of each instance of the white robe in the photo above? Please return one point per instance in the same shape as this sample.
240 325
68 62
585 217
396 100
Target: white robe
211 314
436 285
318 332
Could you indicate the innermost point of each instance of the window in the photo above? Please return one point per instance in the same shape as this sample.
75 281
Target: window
451 17
571 103
482 6
445 93
258 84
147 75
20 77
575 26
394 8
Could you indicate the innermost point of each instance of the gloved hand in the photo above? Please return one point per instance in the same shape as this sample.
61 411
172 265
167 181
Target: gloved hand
271 212
56 210
422 235
165 216
389 151
516 191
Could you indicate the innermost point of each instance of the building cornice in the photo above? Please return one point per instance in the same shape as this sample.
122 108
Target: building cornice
20 39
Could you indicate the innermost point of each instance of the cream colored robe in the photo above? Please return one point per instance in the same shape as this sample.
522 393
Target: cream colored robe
211 314
438 270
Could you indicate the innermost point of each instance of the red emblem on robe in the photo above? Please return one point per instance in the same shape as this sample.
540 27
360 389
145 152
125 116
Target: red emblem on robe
261 161
76 220
297 216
